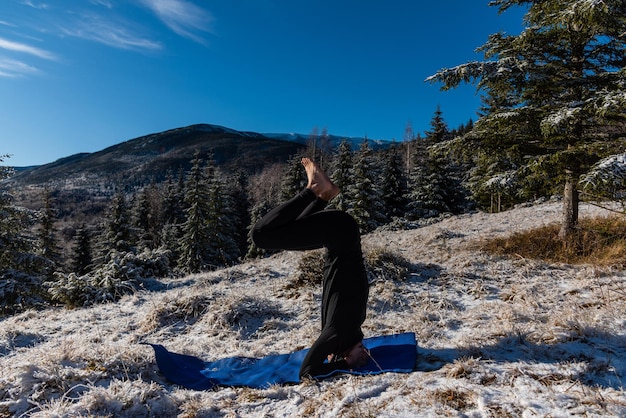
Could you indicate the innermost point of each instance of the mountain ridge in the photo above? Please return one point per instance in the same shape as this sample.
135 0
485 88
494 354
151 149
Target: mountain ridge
83 183
213 128
153 155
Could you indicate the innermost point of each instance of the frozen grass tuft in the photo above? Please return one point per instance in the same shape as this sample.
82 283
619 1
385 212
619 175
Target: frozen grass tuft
600 241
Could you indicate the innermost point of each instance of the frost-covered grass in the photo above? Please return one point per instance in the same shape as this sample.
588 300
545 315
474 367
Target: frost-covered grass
497 336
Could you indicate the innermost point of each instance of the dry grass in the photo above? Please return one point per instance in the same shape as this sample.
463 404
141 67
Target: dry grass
599 241
310 269
456 399
381 264
176 308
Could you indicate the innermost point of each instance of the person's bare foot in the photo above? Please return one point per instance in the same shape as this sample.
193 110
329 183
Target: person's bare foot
319 182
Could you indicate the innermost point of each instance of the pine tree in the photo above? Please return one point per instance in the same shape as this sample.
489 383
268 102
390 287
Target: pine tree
14 244
551 93
223 249
427 193
173 217
20 268
439 128
147 218
170 238
240 209
292 181
196 236
173 209
446 174
341 174
257 212
364 199
435 186
82 261
119 235
48 248
393 184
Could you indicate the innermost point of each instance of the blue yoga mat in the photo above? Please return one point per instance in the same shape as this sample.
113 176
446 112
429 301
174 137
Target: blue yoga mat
390 353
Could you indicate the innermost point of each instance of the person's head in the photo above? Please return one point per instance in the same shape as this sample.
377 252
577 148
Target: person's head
356 356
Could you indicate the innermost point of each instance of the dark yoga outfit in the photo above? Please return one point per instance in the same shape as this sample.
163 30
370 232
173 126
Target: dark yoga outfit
302 224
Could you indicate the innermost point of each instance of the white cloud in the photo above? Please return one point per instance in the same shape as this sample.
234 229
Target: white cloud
34 5
24 48
104 3
183 17
11 68
95 28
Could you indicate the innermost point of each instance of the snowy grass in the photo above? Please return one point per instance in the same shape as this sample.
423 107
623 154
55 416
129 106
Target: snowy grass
497 336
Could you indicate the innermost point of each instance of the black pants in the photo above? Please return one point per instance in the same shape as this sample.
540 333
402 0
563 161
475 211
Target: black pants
302 224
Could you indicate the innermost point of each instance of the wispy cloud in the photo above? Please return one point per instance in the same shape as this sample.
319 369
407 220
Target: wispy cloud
183 17
104 3
10 68
24 48
34 5
95 28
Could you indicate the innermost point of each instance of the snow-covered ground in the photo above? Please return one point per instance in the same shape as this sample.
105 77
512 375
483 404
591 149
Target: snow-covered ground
497 337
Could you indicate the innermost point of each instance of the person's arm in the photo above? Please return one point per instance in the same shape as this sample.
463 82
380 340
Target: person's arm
314 364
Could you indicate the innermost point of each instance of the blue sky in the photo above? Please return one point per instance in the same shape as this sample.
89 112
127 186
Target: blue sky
78 76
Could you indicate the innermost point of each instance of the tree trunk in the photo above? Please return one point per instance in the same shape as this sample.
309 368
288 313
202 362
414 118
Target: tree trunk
570 206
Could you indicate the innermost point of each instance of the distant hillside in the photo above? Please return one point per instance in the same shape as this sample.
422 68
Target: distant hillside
149 157
332 140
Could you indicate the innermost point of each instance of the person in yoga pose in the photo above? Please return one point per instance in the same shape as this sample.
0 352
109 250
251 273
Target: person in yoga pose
301 224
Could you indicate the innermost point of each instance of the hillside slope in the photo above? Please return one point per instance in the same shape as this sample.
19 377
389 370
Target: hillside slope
497 337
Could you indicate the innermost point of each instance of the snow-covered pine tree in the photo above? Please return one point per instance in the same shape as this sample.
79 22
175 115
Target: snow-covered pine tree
455 196
363 202
438 127
293 179
551 92
173 211
341 174
222 249
20 267
393 184
146 218
240 208
81 261
172 216
119 235
258 211
141 214
48 247
170 238
435 186
196 234
426 190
